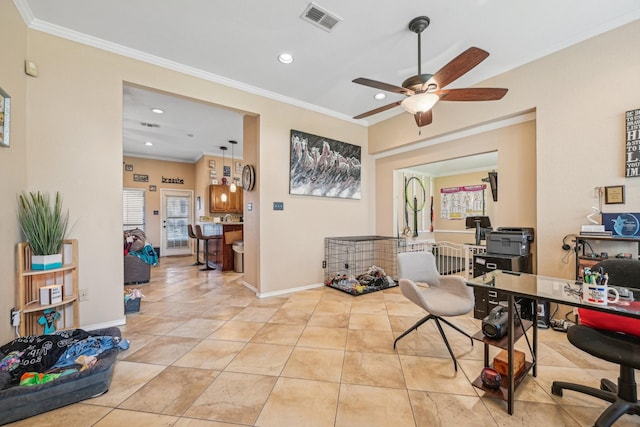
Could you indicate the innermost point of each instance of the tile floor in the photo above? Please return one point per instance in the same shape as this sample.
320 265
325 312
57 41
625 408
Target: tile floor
206 352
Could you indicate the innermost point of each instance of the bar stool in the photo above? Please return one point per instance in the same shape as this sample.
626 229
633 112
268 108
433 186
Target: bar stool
193 236
206 239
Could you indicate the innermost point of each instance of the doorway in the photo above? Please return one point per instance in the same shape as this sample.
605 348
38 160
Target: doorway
421 205
175 214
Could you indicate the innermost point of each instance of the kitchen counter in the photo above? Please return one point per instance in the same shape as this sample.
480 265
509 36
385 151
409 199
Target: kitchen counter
221 250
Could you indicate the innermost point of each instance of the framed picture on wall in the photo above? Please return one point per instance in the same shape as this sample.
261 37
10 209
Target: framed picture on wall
5 118
212 164
128 168
140 178
324 177
614 194
152 188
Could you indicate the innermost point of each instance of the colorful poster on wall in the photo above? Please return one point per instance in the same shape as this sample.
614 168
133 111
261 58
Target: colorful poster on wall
461 202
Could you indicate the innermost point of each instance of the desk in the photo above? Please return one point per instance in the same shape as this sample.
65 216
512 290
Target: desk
525 285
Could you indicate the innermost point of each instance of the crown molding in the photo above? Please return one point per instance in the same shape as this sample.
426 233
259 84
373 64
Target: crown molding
65 33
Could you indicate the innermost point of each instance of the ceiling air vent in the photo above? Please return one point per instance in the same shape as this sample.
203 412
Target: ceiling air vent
320 17
149 125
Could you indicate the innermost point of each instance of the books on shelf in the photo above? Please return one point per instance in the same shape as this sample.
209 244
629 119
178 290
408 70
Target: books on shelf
51 294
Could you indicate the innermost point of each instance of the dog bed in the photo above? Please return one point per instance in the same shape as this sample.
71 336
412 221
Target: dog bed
19 402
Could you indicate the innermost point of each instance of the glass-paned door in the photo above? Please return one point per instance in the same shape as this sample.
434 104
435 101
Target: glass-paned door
177 208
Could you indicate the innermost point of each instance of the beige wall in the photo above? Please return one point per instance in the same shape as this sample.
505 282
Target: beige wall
516 147
73 113
13 160
74 146
156 170
580 96
252 242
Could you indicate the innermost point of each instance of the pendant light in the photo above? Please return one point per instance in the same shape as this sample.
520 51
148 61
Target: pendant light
232 186
223 197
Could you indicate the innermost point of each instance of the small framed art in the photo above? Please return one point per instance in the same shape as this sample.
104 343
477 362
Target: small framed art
5 118
614 194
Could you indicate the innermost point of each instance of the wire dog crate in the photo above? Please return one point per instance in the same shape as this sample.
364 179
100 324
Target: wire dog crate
361 264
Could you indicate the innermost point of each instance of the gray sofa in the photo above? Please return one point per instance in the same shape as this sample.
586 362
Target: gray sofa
136 271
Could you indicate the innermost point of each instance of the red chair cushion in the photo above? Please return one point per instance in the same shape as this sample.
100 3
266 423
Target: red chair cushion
611 322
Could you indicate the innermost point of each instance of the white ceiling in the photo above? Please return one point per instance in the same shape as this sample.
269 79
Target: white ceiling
237 43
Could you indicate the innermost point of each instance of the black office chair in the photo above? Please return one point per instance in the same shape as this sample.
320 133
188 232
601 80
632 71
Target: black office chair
621 349
193 236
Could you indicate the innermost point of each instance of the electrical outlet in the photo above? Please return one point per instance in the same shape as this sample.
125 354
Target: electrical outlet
15 317
84 294
324 264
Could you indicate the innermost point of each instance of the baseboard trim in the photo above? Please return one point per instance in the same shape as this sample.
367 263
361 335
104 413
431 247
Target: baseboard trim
287 291
118 322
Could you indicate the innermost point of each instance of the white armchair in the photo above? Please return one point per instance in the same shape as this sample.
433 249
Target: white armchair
440 295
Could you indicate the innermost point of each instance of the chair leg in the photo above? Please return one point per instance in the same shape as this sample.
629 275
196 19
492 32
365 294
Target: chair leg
615 411
444 337
413 328
457 329
558 386
206 257
608 385
197 253
623 396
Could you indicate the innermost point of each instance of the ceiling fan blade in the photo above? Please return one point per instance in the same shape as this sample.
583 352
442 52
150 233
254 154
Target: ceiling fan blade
383 86
377 110
458 66
423 119
471 94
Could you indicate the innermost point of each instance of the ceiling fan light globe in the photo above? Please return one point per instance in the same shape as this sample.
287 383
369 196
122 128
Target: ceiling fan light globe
420 103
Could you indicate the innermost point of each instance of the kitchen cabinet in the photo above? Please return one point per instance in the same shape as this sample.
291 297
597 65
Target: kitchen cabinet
233 204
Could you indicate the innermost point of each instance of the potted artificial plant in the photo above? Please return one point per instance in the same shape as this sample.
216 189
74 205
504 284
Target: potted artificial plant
44 226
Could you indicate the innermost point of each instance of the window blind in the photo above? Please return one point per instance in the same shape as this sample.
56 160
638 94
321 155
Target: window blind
133 208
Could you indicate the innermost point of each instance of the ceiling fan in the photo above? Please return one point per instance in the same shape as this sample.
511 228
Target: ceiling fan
423 91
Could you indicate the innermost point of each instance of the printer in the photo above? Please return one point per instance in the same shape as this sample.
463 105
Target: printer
510 240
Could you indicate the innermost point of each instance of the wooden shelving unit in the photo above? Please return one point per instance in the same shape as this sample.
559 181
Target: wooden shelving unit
29 284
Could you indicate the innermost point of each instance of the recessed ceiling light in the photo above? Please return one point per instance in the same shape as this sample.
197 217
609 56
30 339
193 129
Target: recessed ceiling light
285 58
380 96
157 110
148 144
